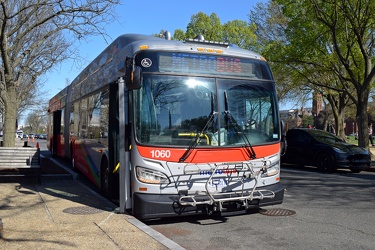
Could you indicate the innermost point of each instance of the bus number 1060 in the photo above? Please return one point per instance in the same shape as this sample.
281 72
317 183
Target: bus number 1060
160 153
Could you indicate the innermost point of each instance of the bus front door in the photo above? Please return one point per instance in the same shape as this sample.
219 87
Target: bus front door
56 131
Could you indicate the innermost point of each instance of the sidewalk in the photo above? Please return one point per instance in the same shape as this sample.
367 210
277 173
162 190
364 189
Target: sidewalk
64 214
372 168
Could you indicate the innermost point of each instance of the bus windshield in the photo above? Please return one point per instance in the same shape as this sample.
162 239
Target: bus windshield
179 110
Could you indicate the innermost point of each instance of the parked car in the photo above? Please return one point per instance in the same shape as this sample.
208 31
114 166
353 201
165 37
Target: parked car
43 136
324 150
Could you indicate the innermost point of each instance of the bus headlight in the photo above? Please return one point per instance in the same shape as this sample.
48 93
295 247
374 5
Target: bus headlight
151 176
274 169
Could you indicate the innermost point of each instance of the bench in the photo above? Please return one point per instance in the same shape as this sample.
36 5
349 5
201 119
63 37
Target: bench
19 158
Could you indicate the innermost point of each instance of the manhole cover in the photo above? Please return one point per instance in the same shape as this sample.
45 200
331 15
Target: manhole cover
82 210
277 212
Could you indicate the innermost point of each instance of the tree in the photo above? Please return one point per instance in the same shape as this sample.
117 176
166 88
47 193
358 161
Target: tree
240 33
36 121
34 38
270 30
179 35
337 36
235 32
208 26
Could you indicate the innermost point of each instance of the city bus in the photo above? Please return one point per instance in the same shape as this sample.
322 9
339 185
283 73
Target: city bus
172 128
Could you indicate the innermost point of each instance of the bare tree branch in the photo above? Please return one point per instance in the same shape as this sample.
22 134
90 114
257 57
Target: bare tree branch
35 36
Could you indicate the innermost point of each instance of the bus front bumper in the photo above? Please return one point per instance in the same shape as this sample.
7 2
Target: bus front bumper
150 206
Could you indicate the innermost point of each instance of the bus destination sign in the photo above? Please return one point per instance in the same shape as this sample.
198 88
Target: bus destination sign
206 64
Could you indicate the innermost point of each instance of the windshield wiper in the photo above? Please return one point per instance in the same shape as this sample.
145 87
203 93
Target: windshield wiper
230 122
195 141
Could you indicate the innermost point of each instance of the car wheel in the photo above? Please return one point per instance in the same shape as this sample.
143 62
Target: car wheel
325 163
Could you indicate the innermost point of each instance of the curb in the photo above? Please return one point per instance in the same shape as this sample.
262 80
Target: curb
131 219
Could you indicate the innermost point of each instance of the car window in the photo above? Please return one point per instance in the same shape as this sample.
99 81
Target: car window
327 139
295 136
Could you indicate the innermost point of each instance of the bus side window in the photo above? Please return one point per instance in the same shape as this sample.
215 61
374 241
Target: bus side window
62 122
83 119
71 121
104 113
76 114
93 119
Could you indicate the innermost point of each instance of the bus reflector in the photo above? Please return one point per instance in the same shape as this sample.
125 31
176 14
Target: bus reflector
143 47
142 189
116 168
219 51
200 49
210 50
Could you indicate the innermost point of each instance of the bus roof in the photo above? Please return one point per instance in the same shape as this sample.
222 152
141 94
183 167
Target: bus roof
112 59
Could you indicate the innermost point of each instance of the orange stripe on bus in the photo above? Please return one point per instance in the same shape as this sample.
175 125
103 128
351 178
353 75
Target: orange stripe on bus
206 154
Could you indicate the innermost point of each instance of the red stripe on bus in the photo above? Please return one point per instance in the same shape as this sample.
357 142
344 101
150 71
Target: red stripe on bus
202 155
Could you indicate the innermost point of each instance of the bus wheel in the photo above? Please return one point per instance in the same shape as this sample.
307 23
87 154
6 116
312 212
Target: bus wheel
105 179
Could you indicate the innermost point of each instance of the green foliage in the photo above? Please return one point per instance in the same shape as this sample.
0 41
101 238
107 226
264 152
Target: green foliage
240 33
179 35
235 32
307 120
208 26
312 46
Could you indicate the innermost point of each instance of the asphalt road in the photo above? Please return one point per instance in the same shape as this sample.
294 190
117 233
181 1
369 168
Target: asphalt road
329 211
332 211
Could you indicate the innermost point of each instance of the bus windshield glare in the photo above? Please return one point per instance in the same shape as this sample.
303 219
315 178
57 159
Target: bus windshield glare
176 110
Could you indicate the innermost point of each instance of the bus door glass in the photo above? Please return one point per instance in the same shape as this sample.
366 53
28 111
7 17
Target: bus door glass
56 130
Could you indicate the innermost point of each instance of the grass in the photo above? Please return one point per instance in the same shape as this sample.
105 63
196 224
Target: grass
352 140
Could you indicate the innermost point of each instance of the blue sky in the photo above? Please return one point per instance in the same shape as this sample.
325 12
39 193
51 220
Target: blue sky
146 17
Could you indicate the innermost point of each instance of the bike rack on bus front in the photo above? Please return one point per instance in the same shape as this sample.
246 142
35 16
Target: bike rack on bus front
244 172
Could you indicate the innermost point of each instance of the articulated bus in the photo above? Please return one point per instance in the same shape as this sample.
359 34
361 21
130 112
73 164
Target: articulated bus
173 127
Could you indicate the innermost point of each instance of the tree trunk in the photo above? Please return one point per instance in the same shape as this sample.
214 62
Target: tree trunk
337 103
10 115
362 121
340 125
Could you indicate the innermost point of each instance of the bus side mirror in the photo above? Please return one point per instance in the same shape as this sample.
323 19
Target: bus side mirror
133 75
283 142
